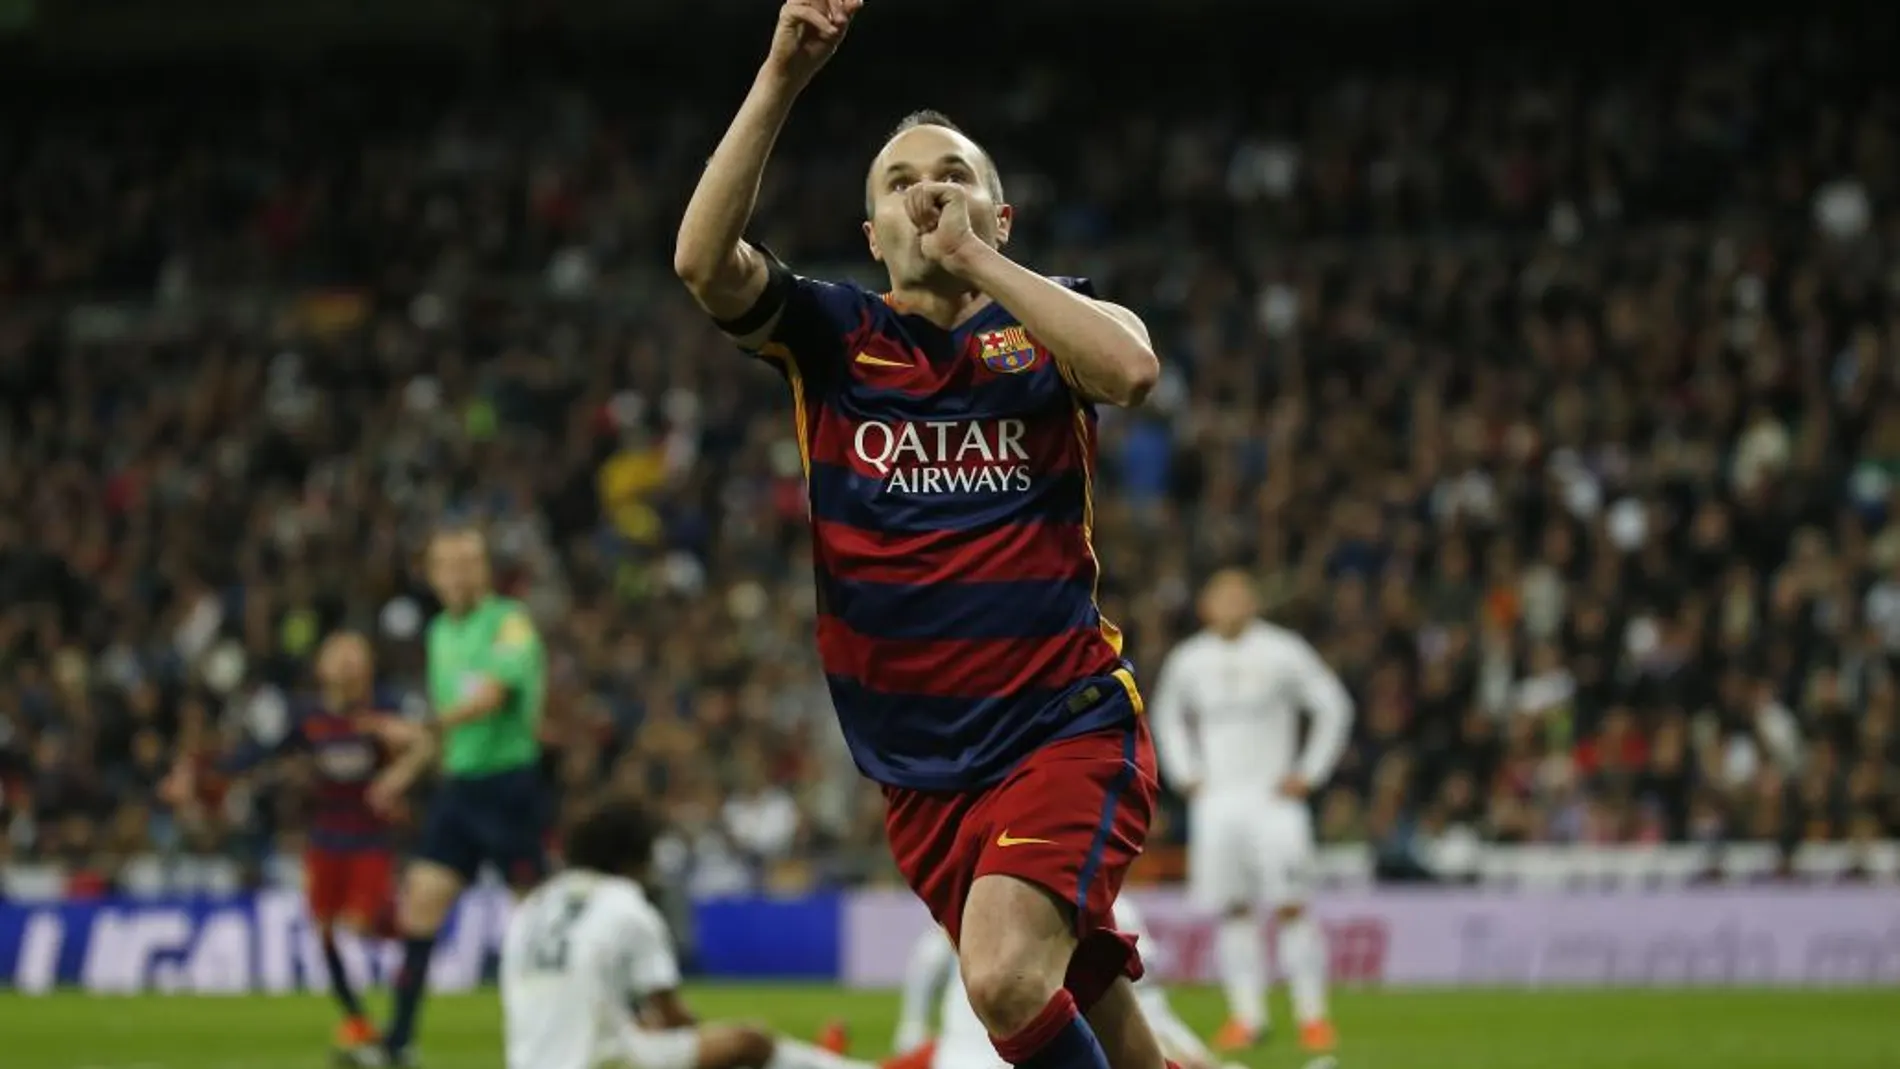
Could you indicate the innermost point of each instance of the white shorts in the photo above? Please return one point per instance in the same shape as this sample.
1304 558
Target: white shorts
1245 850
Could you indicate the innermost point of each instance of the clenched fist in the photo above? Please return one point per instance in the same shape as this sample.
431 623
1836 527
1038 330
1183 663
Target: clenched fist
809 31
941 213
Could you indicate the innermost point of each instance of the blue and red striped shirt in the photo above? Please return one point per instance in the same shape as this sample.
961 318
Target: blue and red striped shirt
950 482
347 757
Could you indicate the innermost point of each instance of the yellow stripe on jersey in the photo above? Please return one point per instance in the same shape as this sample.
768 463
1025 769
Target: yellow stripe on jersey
1110 633
1127 680
777 351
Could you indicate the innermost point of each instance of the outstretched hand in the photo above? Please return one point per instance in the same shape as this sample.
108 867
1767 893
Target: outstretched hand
809 31
941 213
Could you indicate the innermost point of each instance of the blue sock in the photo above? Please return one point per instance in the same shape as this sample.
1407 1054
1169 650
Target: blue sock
340 977
1059 1038
410 984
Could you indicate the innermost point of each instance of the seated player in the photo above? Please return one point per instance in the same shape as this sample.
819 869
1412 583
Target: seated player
963 1043
349 868
588 973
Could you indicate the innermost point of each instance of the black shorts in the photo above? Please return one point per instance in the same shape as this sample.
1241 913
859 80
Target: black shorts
499 819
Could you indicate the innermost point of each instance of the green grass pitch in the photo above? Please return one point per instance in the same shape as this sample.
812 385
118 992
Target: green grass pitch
1547 1029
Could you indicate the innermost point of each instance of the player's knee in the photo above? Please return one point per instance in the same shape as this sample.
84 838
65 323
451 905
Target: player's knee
734 1046
1289 912
752 1046
418 915
427 893
1237 911
1007 992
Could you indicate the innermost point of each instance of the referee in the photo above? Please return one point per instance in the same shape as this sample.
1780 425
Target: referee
487 680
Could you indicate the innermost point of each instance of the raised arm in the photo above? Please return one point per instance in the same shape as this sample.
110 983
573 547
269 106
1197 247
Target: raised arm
726 275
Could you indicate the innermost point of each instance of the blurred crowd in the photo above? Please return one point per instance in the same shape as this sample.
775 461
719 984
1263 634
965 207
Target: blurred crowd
1552 390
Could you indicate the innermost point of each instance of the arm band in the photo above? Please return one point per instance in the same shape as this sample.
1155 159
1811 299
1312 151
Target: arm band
778 285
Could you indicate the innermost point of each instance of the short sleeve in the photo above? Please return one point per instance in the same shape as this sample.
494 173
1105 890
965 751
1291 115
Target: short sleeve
819 323
515 651
647 964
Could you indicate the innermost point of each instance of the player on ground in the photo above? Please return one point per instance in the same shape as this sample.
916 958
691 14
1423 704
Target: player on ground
930 980
948 429
486 674
588 974
1250 837
349 871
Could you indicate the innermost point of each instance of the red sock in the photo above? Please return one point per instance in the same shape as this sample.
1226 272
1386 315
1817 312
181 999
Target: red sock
1058 1038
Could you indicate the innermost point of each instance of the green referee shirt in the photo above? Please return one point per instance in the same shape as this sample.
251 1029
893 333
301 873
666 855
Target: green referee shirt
494 641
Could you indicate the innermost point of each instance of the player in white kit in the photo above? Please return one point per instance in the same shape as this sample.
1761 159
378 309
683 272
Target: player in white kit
589 978
964 1043
1225 714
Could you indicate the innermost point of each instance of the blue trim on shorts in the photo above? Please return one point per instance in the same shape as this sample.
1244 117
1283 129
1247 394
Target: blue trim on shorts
1102 827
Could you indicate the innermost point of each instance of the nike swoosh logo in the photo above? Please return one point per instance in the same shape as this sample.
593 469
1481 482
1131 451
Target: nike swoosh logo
1006 839
878 361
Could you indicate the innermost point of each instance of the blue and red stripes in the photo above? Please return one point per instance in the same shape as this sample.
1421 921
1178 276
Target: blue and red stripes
1024 551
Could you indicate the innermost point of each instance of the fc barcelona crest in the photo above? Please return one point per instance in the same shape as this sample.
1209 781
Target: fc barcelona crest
1008 351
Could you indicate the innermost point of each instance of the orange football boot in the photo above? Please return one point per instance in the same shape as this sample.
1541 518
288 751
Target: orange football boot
355 1033
1236 1035
835 1037
918 1057
1318 1037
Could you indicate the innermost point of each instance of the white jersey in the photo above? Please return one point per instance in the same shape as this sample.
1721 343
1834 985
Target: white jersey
580 954
1245 696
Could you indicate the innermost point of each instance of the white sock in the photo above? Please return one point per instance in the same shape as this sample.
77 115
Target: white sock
1178 1042
791 1054
1303 963
1243 969
932 963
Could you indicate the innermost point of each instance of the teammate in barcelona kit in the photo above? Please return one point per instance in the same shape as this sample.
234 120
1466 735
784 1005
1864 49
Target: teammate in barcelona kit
930 978
589 979
948 429
1250 837
487 678
349 871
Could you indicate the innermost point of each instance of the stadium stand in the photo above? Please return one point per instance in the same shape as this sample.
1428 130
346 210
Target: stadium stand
1549 387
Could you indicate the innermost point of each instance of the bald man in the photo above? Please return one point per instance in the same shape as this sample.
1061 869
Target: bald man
1227 732
948 428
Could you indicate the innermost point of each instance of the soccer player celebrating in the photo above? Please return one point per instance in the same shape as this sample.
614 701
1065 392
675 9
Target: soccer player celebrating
961 1042
349 872
486 677
948 429
1250 837
587 951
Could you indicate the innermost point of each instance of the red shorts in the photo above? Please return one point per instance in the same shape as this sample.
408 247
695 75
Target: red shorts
354 886
1070 818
